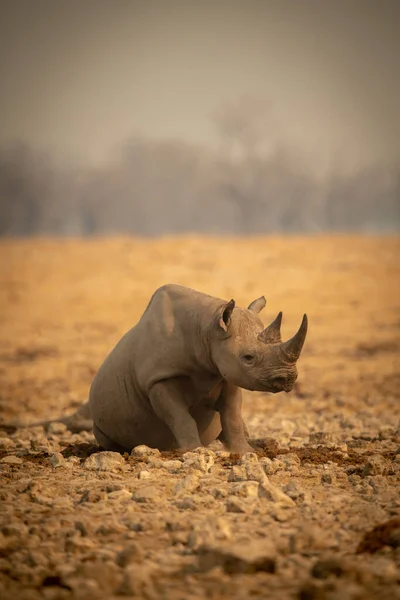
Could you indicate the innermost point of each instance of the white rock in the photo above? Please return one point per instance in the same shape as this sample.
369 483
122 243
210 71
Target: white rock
252 471
144 451
197 461
248 457
173 466
104 461
144 474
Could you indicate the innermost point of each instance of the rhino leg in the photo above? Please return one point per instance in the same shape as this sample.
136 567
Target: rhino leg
222 437
234 431
167 399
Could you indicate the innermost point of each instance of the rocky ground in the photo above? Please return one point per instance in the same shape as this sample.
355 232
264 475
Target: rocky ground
313 513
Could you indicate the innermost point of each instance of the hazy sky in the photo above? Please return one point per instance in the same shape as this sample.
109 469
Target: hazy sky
83 75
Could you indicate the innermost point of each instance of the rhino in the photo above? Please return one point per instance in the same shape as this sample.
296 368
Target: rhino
174 380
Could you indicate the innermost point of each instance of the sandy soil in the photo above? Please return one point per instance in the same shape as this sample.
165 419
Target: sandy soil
292 521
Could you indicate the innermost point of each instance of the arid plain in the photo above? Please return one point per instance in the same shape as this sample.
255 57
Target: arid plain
293 521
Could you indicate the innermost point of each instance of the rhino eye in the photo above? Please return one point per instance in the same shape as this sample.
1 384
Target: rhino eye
247 358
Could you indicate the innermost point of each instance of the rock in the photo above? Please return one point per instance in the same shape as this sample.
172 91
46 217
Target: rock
222 454
138 581
271 466
309 538
57 460
147 494
93 496
145 452
129 555
105 573
237 473
376 465
190 483
328 477
326 567
172 466
152 463
321 437
252 471
105 461
274 494
144 474
239 558
219 471
291 462
11 460
219 492
209 532
190 502
57 428
238 505
6 443
248 457
245 489
120 495
294 491
194 461
14 529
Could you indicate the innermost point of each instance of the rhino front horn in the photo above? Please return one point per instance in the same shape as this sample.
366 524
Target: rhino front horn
272 333
293 347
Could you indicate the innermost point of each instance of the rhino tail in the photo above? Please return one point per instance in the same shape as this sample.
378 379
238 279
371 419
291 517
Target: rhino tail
78 421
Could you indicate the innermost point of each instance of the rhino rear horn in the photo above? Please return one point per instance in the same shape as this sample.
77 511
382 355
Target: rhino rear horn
293 347
257 305
272 333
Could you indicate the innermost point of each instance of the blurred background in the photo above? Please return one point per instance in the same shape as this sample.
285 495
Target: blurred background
158 117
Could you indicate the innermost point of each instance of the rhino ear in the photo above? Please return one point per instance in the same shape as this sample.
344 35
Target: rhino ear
225 315
257 305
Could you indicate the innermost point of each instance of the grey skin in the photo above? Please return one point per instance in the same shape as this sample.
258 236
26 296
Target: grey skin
173 380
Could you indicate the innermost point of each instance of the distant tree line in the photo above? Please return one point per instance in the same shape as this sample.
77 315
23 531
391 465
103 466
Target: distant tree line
151 188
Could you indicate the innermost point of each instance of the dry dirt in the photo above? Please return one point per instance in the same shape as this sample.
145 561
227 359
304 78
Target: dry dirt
313 514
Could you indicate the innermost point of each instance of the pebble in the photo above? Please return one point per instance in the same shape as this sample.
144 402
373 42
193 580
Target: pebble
104 461
57 460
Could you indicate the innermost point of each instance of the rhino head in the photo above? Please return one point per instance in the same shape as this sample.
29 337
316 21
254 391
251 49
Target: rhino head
253 357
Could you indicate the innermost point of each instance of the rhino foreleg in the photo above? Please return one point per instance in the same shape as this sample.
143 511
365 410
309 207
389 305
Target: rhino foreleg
234 432
168 402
